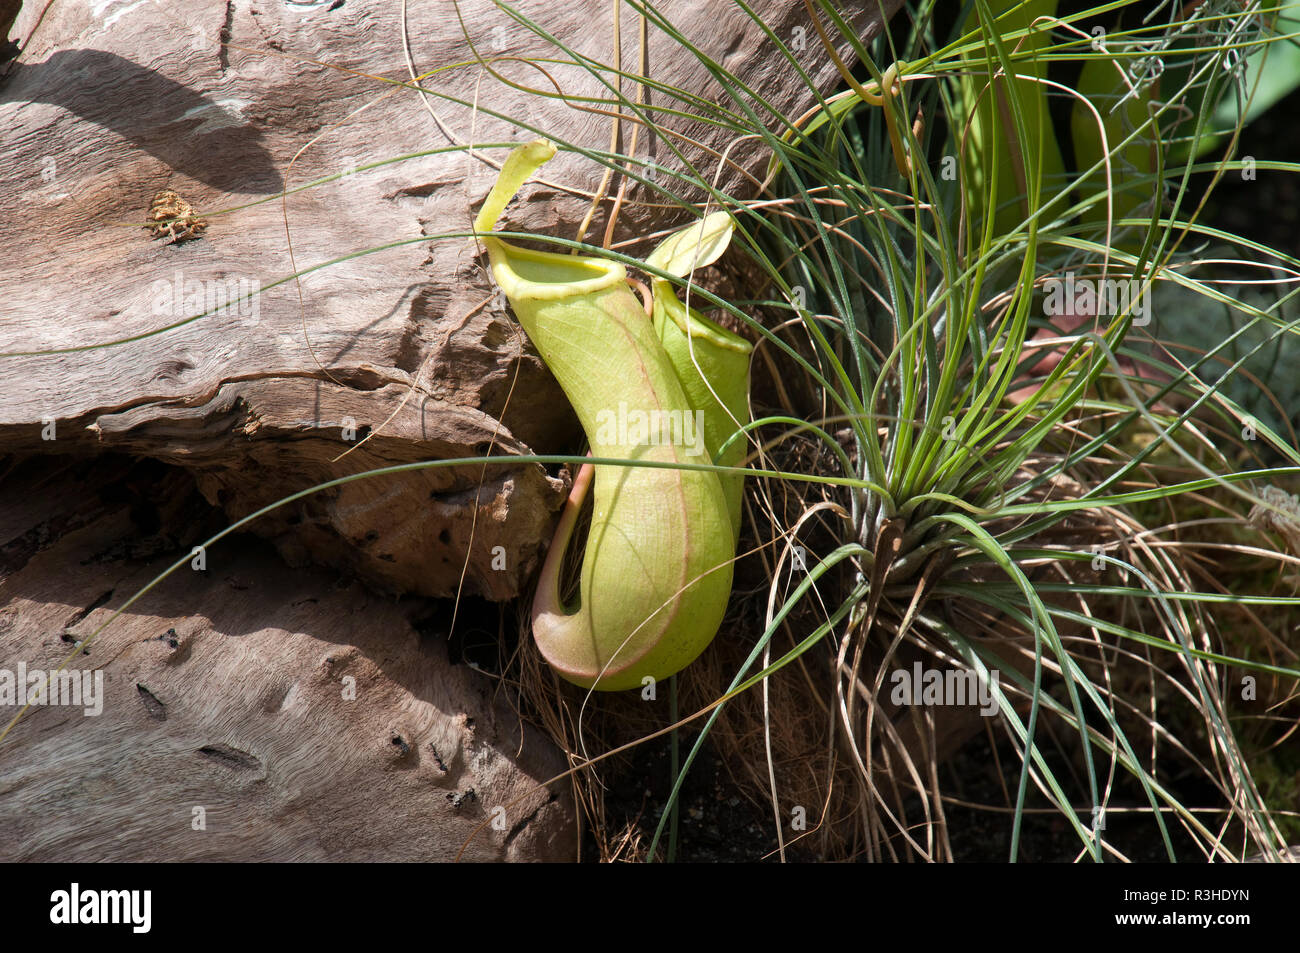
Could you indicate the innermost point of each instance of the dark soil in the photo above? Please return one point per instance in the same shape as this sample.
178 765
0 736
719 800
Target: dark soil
714 823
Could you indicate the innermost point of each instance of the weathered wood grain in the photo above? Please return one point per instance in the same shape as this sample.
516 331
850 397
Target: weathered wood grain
227 102
296 713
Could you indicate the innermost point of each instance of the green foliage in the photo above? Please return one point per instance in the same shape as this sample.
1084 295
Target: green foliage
1004 501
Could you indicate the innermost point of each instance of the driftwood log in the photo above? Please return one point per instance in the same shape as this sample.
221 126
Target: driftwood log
248 711
390 345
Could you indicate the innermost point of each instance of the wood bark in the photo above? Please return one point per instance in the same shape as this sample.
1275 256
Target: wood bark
249 711
228 103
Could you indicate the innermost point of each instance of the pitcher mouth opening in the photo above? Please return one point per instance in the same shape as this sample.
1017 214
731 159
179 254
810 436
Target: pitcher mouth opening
695 324
549 276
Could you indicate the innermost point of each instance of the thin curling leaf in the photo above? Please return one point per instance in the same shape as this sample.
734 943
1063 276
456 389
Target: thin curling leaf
656 572
693 247
1102 83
